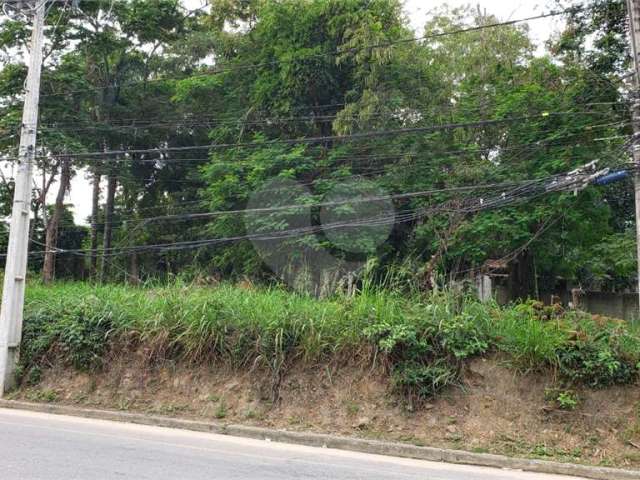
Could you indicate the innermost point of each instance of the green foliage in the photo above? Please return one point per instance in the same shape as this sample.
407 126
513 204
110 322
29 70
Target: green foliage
46 395
603 27
600 355
563 399
79 333
531 341
425 341
418 382
13 33
221 410
614 259
584 351
137 75
426 356
151 20
464 335
567 401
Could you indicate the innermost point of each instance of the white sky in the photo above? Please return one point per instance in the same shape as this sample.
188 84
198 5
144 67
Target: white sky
417 12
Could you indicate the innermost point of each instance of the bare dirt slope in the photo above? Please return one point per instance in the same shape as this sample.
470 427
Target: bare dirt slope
495 411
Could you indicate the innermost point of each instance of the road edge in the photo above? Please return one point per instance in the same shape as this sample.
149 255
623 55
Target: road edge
336 442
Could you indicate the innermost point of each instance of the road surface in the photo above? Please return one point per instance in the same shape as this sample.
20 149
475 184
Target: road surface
36 446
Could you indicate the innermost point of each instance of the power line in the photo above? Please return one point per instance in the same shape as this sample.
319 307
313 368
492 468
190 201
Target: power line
306 140
187 121
553 141
191 123
284 208
405 155
527 190
340 178
388 168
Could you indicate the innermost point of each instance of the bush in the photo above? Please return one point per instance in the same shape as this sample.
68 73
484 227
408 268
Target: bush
418 382
596 352
426 352
76 330
600 355
463 336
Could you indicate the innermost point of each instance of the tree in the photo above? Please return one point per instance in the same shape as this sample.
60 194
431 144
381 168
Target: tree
205 109
54 222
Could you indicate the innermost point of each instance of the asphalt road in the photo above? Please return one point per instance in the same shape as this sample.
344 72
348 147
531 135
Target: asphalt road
35 446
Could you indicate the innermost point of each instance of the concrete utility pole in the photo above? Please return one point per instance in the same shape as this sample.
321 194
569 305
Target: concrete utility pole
633 7
11 311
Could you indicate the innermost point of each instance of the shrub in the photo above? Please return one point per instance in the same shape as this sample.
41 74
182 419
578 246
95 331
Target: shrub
601 352
596 362
418 382
426 352
75 329
563 399
463 336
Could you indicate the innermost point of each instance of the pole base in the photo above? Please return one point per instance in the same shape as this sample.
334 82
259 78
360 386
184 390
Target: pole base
8 363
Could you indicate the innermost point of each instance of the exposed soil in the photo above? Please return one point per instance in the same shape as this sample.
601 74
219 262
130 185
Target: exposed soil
496 411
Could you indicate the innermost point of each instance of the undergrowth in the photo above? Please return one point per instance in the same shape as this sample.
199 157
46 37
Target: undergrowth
424 341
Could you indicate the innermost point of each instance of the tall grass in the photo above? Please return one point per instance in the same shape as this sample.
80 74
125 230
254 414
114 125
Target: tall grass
223 323
533 344
425 340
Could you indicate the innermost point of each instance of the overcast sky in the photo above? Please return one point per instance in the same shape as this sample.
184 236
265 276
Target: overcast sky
417 12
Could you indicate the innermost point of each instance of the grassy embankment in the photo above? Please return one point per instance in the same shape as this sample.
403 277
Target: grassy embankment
423 343
441 370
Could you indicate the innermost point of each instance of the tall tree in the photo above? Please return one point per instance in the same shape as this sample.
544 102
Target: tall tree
48 269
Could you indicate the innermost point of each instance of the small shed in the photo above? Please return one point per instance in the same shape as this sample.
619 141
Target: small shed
506 279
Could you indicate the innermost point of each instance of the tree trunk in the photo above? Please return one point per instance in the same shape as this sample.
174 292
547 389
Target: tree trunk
95 213
134 269
34 222
48 270
108 224
133 275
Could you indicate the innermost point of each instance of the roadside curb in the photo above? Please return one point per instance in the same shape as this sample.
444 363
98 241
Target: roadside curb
336 442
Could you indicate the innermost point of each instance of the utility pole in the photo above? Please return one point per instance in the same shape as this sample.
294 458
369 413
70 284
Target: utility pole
633 7
11 312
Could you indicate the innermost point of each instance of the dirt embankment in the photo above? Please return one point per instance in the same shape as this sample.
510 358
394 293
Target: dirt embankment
495 411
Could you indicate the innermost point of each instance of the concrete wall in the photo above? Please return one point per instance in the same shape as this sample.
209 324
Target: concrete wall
618 305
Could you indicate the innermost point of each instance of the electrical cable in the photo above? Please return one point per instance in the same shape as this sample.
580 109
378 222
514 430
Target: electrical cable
496 202
305 140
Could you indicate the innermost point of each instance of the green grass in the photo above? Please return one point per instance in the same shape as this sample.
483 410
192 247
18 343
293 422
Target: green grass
424 339
224 323
532 344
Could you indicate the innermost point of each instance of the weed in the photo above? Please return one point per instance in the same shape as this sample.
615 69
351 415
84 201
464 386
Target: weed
567 401
352 408
28 376
596 359
542 450
420 382
252 415
531 341
92 386
221 411
45 395
562 399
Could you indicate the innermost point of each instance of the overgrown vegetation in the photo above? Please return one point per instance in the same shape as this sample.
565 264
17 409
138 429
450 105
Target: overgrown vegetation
162 81
423 341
